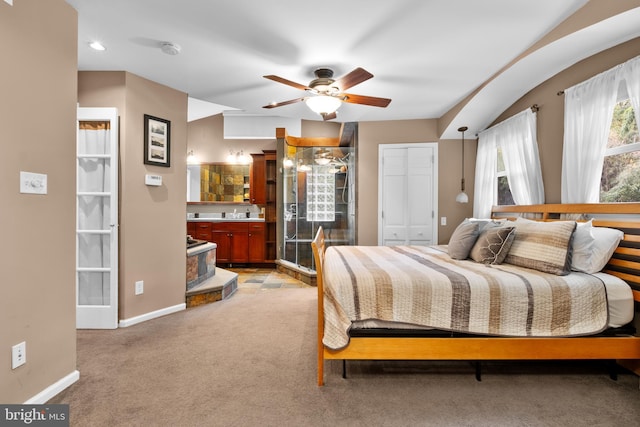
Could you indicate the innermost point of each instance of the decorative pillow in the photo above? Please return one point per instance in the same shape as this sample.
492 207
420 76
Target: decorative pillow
592 256
462 239
493 245
542 246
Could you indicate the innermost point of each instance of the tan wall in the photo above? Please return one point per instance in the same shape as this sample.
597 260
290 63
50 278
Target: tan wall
152 219
551 113
37 111
371 135
206 138
550 135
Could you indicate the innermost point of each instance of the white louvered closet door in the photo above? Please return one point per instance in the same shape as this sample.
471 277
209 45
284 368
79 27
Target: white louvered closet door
407 194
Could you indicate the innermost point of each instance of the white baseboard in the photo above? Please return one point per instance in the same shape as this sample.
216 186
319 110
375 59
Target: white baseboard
151 315
45 395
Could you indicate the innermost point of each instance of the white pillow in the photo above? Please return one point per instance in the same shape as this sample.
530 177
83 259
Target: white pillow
581 246
593 247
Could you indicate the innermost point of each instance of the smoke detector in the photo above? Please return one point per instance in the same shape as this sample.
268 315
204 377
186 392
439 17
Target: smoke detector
170 48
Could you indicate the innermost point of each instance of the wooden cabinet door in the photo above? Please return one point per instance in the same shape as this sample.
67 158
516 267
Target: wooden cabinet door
257 182
256 242
191 228
239 246
222 238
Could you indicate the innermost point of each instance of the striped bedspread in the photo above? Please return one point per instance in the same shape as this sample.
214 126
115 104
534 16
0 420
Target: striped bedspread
423 286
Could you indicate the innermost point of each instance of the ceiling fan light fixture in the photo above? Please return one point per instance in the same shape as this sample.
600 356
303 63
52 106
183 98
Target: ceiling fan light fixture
323 104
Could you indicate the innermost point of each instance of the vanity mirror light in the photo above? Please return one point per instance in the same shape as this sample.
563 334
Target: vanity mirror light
218 182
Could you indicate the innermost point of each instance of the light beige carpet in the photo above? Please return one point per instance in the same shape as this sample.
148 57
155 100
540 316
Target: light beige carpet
250 361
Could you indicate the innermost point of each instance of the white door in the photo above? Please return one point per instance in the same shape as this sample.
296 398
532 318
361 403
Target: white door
97 219
407 194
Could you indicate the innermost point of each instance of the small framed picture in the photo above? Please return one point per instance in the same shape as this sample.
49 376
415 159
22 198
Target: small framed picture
157 141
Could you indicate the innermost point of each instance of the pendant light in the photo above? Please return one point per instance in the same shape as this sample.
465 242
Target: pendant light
462 196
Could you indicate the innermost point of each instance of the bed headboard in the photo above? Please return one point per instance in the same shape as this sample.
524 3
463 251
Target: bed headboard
625 262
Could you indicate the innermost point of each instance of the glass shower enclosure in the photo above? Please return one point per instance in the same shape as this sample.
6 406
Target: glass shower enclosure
317 186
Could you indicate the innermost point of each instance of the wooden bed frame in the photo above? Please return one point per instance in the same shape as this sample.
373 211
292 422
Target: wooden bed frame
625 350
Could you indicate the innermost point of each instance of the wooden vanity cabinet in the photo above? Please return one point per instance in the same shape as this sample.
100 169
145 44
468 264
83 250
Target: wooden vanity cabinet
239 242
263 193
257 181
232 239
256 242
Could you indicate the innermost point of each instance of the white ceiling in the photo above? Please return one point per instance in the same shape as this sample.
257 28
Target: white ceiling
426 55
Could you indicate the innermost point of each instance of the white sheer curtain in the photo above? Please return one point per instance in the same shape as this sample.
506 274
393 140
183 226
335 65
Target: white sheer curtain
521 158
93 212
516 137
630 71
588 111
485 190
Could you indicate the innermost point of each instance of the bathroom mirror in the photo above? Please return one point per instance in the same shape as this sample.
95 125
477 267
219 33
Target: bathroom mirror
218 182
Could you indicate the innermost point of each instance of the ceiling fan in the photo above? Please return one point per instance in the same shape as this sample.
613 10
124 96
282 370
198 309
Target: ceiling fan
327 93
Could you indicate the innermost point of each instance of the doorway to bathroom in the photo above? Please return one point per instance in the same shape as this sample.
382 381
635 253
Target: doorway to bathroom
97 219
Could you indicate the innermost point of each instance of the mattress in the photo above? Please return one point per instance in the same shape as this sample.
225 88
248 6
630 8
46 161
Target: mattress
382 286
619 304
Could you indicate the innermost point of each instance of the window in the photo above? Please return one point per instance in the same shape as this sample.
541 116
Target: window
620 181
504 191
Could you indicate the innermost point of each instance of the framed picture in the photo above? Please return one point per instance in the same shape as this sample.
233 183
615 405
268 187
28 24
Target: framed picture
157 141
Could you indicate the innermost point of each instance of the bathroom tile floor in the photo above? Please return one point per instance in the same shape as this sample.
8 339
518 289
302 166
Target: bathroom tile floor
254 280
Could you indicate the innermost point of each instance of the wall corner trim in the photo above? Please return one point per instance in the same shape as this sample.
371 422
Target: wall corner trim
45 395
151 315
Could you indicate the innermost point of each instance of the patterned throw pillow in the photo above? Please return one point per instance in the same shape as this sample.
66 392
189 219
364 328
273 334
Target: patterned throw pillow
493 245
542 246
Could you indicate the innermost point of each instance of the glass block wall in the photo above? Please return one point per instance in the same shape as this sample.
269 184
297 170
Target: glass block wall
318 189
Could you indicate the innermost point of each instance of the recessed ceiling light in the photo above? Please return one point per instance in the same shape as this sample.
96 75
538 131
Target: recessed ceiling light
97 46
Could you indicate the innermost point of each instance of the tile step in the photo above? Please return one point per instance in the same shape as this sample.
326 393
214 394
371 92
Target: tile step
218 287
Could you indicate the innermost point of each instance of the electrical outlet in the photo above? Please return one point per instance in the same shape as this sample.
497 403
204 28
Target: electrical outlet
139 287
18 355
443 220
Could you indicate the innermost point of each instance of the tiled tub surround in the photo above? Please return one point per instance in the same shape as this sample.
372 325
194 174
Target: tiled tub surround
201 264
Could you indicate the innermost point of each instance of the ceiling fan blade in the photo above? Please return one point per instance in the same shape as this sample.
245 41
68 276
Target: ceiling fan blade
287 82
280 104
365 100
329 116
353 78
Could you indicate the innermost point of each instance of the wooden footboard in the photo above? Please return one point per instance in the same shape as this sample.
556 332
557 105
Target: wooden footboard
625 264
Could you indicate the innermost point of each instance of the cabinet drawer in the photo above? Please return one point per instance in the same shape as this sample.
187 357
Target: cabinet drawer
256 226
231 226
203 226
420 233
399 233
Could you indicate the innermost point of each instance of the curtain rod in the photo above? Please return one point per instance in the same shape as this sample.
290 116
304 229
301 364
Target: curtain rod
535 108
560 92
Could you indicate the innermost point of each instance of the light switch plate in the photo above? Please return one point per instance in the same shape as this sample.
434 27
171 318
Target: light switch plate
33 183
